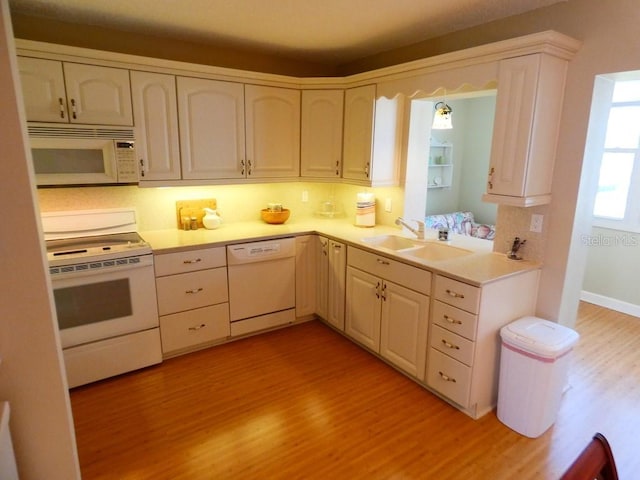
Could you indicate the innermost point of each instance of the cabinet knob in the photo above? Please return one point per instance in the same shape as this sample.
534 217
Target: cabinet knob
452 321
450 345
195 260
73 109
61 103
446 377
453 294
490 180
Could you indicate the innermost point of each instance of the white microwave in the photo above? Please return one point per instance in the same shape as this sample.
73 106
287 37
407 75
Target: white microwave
83 155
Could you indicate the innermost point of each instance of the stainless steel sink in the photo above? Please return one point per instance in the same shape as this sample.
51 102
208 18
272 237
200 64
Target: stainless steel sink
437 252
391 242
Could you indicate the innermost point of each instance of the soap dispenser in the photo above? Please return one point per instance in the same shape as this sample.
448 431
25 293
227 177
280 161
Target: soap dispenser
211 219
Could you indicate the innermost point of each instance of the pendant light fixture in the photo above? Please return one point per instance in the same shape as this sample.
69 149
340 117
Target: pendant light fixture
442 117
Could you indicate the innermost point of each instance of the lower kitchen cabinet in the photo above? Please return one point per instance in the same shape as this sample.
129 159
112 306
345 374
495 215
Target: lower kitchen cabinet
330 291
200 326
389 317
193 299
464 339
307 247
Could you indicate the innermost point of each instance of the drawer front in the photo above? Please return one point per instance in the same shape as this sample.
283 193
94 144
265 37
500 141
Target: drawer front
449 377
189 261
187 329
453 345
458 294
410 277
177 293
453 319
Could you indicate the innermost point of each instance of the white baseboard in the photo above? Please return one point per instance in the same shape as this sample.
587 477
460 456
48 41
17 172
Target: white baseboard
611 303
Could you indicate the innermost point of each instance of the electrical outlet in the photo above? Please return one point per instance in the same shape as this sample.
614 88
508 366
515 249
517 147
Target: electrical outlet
387 205
536 223
305 196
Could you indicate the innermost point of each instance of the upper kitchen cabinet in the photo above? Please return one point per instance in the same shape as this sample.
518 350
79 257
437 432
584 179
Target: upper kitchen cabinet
372 131
212 136
156 131
321 133
525 133
272 132
72 92
234 131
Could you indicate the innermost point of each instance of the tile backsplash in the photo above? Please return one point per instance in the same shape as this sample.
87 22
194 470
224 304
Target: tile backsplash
515 222
236 203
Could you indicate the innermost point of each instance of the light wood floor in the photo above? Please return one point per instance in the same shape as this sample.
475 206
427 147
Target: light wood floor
304 402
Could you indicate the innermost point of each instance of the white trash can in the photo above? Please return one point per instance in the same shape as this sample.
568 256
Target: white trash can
534 362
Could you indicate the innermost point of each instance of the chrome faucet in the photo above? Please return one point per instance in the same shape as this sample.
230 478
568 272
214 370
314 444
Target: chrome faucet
418 232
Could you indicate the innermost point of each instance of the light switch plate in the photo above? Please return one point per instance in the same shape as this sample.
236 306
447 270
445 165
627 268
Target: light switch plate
536 223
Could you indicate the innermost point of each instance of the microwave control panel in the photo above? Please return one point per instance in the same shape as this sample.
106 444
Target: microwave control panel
126 161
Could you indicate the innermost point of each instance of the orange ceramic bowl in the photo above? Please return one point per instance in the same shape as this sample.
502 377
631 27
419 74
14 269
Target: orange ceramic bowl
274 217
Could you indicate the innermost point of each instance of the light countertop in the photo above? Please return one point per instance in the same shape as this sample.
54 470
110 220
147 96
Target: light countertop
480 266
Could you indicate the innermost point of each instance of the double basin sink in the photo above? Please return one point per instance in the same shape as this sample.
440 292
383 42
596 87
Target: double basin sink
430 250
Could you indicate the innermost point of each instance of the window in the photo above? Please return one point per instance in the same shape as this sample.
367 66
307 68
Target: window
618 197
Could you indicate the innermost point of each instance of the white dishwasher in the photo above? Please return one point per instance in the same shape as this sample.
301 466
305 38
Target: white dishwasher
261 284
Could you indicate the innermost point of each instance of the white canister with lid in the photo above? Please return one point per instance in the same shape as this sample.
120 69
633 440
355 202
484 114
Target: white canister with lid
211 219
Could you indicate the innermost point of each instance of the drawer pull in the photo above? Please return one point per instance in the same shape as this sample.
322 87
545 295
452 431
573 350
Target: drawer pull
382 262
447 378
195 260
450 345
198 327
452 321
454 294
194 290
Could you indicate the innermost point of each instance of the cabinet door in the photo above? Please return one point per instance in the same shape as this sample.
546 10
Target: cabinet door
43 90
363 308
98 95
404 326
306 274
273 131
336 284
528 108
156 119
211 115
359 107
321 133
322 285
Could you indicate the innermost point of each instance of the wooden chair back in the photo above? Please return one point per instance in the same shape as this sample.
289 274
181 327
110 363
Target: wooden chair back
594 463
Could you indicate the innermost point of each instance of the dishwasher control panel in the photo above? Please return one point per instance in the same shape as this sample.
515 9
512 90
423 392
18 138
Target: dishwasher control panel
260 251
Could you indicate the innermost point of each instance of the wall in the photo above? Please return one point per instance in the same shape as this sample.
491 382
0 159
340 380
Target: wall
479 132
31 374
471 140
102 38
611 274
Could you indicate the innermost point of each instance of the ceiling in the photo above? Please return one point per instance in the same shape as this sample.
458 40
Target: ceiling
336 31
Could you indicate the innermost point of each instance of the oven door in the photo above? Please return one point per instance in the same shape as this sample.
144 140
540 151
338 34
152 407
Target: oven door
73 161
106 303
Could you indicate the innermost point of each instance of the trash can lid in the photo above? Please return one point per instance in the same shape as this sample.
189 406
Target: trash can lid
539 336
